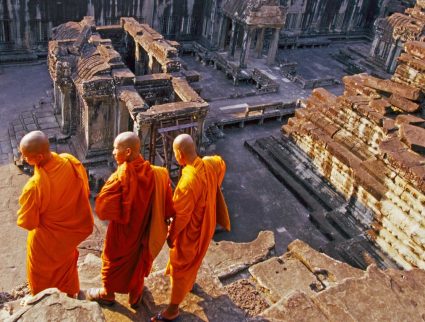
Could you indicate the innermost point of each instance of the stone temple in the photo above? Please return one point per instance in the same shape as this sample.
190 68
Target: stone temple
318 108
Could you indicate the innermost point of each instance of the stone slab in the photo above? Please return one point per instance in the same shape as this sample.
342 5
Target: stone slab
226 258
368 298
52 305
327 269
281 276
207 302
298 307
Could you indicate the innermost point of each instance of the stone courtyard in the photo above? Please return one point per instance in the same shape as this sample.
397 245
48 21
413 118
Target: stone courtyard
322 132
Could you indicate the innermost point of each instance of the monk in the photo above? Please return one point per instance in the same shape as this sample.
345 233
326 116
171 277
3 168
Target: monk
195 219
55 209
137 200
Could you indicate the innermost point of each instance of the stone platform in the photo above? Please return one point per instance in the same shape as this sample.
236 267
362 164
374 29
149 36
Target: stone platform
300 285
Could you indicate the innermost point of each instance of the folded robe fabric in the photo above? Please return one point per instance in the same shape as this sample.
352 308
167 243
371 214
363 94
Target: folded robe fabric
195 222
55 208
132 196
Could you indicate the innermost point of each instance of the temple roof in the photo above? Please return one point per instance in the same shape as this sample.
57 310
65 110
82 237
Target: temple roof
266 13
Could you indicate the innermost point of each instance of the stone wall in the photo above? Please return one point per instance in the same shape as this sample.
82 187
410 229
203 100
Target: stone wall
369 143
27 25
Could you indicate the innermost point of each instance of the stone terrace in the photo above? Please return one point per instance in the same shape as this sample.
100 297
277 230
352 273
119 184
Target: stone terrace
370 144
245 282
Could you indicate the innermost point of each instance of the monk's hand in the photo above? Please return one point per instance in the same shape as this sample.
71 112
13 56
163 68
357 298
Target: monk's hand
170 243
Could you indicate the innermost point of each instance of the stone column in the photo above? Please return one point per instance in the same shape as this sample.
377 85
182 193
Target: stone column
137 60
390 56
271 55
246 44
224 23
260 42
233 37
66 110
393 64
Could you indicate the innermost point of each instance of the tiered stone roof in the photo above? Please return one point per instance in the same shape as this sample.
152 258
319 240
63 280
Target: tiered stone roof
370 144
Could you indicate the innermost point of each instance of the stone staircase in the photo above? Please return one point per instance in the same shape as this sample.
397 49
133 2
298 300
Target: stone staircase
369 144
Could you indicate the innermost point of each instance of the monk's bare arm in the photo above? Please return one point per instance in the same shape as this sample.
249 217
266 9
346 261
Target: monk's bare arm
29 211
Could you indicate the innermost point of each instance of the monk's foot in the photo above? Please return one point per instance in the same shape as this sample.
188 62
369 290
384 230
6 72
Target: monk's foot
99 295
162 316
135 301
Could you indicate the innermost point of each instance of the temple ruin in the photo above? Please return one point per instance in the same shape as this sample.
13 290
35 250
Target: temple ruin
26 27
393 32
97 96
317 107
369 143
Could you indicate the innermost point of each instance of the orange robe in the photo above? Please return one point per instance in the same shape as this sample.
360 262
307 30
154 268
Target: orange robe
195 221
55 209
126 200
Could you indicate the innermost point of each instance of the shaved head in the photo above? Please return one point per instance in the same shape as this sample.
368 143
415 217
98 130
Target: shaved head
184 149
35 142
128 140
35 148
126 147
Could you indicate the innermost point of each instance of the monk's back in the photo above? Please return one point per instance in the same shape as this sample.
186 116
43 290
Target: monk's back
65 197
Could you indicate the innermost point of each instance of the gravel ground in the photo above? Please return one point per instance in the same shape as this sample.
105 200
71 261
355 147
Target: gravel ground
244 295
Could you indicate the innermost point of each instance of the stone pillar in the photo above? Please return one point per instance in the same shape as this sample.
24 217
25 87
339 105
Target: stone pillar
390 57
260 42
66 110
224 23
150 64
246 44
271 55
397 52
233 37
374 45
137 60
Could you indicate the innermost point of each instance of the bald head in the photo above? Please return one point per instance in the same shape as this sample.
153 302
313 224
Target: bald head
126 147
35 147
128 140
184 149
35 142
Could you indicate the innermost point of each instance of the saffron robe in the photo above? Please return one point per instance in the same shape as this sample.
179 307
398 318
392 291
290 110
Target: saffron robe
55 208
195 221
137 198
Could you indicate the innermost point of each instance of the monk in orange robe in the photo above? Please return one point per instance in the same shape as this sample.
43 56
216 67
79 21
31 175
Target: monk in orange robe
55 209
137 200
195 220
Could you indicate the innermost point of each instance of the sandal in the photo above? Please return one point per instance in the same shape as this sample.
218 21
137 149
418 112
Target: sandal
94 294
159 317
136 304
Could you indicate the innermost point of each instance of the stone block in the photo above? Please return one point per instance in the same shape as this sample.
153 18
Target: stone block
409 119
298 307
53 305
403 103
415 48
206 302
226 258
328 270
281 276
414 137
370 297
